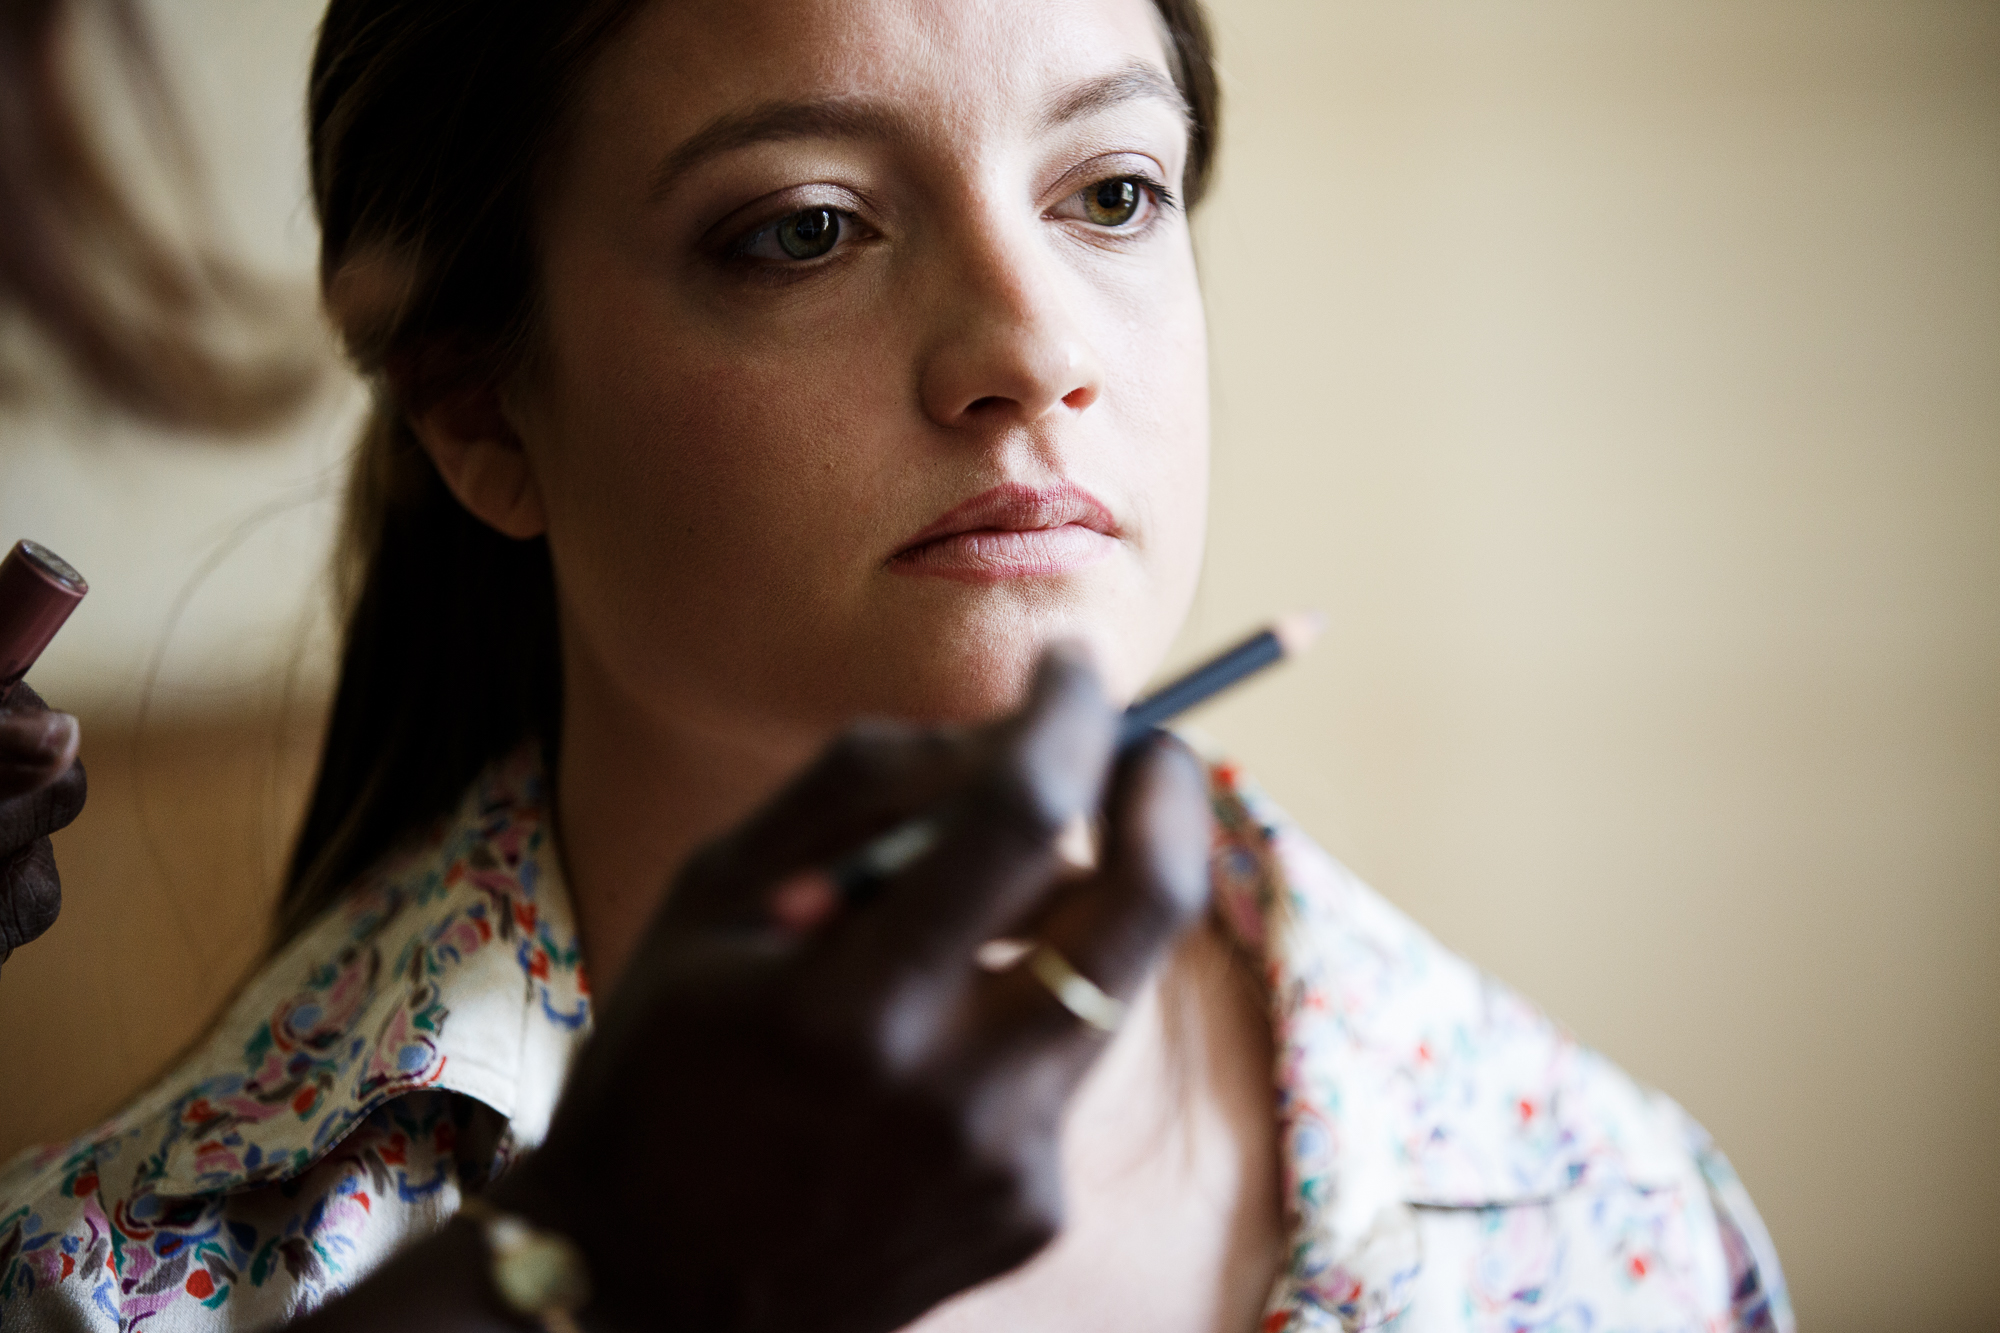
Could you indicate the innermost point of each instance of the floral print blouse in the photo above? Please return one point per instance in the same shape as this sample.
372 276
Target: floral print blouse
1454 1161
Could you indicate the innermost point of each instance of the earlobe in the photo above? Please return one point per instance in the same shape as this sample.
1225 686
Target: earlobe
482 460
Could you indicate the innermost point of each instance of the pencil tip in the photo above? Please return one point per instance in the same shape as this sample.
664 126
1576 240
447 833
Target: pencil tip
1297 631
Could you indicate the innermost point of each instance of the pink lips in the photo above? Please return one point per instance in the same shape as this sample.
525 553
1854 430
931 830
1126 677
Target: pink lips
1012 531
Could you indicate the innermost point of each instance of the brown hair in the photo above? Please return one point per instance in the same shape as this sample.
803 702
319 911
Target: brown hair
428 121
167 331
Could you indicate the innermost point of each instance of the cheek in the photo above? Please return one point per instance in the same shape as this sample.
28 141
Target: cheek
1158 374
709 504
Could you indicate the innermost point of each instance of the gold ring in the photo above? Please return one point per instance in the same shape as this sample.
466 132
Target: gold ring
1073 990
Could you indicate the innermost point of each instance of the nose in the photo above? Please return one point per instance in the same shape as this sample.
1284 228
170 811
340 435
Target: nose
1006 347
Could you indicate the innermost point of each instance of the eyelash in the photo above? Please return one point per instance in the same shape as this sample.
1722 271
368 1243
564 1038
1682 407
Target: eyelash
1159 201
738 251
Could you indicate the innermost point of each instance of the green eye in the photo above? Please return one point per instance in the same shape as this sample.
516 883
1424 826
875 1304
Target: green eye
810 234
1111 203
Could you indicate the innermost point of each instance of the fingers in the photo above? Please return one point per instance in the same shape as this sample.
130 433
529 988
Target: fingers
997 856
1114 928
1154 882
30 895
36 746
40 812
42 787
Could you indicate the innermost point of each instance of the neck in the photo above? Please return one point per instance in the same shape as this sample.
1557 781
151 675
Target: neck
636 794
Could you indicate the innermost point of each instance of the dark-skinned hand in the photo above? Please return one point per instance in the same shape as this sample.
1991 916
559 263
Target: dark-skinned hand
41 790
835 1128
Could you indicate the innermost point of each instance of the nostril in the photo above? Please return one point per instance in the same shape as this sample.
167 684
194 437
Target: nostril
1080 397
979 405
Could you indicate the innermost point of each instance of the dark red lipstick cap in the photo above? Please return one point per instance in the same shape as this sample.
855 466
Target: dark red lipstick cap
38 590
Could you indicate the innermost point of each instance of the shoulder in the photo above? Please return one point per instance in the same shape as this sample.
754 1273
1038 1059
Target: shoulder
1436 1123
332 1108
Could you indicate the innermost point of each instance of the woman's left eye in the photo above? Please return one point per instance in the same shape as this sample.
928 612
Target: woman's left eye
808 234
1119 203
1113 203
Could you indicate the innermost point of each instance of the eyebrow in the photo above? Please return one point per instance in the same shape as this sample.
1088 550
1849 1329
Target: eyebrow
826 118
1134 81
844 118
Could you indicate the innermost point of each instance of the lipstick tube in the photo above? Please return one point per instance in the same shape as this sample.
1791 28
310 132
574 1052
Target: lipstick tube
38 590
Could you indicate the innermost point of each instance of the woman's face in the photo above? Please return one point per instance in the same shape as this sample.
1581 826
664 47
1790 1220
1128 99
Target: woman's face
874 357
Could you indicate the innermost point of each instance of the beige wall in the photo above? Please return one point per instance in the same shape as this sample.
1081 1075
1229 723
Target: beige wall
1623 379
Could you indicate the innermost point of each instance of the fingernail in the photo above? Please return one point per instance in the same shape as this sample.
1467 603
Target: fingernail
1001 954
803 902
36 738
1076 845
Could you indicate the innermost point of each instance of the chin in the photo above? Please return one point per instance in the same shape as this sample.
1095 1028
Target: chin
978 663
981 684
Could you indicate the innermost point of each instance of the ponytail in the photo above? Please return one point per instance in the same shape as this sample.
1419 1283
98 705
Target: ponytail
449 661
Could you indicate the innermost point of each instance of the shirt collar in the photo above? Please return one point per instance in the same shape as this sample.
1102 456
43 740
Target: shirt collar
1406 1078
455 965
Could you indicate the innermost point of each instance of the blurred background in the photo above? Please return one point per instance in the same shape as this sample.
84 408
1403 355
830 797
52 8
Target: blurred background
1623 380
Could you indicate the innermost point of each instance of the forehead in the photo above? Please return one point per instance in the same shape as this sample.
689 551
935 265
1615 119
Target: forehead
960 62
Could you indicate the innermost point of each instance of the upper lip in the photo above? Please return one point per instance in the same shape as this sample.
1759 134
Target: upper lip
1017 507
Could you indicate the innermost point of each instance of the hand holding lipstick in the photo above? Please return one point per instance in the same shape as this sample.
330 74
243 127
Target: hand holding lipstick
42 789
41 781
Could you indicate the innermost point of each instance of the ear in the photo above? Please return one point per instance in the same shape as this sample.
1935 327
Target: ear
481 458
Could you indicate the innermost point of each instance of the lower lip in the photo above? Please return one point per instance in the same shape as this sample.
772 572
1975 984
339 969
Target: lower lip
992 556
